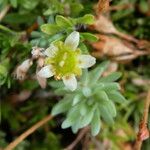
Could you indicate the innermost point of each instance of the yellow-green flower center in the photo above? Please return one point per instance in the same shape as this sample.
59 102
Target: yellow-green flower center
65 61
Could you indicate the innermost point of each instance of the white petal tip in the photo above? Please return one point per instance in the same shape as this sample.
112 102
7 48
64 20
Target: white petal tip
46 72
70 82
51 51
73 40
86 61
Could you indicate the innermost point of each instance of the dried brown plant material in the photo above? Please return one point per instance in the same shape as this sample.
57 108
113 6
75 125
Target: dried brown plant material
140 81
116 49
23 69
143 133
104 25
127 146
144 44
20 97
32 28
113 67
111 46
121 7
102 6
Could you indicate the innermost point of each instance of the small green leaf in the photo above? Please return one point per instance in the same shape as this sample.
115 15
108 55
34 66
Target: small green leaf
76 126
61 107
111 108
103 96
83 109
108 86
50 29
112 77
13 3
116 96
66 123
97 72
16 18
106 115
76 99
63 22
87 117
89 37
3 70
86 91
95 123
36 34
86 19
84 48
72 117
40 20
76 8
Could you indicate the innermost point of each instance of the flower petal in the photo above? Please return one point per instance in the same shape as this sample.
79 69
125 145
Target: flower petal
51 51
86 61
70 82
73 40
25 65
46 72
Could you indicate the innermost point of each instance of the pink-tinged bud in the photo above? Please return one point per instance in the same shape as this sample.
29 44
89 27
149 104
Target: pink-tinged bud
23 68
42 81
37 52
40 62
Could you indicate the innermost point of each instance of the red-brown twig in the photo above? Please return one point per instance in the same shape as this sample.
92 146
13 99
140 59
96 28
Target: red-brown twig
18 140
79 137
143 129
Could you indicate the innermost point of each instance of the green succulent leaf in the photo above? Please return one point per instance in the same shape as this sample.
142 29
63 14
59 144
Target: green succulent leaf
63 22
97 72
50 29
112 77
86 19
87 118
83 108
76 99
66 123
116 96
89 37
96 123
72 117
111 108
109 86
108 118
76 8
103 96
75 127
61 107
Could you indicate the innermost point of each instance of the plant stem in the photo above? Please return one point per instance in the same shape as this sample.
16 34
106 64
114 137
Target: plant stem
79 137
18 140
143 124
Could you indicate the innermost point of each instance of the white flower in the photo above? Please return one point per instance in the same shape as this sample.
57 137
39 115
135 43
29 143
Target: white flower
65 61
23 68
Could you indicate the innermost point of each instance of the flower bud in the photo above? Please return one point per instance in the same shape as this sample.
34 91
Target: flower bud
37 52
23 68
